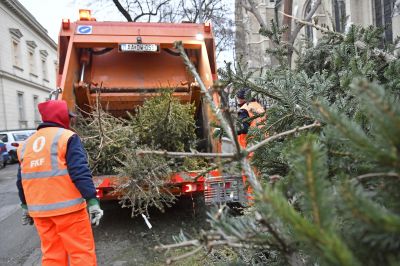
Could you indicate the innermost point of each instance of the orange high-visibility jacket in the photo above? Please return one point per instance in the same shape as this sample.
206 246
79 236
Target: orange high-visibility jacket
252 108
48 188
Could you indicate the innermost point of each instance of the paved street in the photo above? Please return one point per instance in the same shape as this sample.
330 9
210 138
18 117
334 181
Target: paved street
120 239
20 245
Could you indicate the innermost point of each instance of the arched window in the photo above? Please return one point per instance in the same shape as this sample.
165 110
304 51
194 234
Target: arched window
309 29
339 9
383 17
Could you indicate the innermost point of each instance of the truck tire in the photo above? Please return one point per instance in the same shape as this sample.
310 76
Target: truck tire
13 156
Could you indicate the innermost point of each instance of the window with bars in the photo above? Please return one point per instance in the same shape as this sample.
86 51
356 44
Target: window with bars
383 17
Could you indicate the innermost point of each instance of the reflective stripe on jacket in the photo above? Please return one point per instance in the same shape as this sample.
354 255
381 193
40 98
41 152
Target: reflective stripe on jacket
48 188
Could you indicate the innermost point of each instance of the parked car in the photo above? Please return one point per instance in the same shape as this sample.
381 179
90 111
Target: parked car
3 155
13 139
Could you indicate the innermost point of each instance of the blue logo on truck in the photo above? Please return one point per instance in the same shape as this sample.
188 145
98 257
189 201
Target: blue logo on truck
84 29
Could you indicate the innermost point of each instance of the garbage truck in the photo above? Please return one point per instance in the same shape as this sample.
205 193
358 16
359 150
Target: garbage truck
125 63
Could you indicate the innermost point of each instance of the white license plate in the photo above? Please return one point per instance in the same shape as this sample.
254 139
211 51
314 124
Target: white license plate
138 47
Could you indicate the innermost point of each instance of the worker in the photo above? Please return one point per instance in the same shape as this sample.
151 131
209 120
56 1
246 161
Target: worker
55 187
251 114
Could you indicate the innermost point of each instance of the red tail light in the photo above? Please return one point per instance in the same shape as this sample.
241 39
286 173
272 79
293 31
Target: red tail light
189 188
99 193
15 144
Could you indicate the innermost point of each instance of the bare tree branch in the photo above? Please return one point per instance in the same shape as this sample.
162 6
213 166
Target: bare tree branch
150 13
216 11
276 136
296 30
122 10
252 7
231 155
187 154
288 6
248 171
322 29
359 44
366 176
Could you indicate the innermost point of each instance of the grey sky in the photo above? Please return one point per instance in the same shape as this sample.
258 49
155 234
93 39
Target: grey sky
49 13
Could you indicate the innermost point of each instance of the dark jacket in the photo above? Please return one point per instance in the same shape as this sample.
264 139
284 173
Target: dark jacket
243 117
55 115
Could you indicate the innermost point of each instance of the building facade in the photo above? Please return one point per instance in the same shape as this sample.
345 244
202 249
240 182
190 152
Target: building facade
28 65
336 14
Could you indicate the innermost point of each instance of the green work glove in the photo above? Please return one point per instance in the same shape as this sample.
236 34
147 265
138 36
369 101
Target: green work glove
26 218
94 211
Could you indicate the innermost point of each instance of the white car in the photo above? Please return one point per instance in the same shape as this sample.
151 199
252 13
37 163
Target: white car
13 139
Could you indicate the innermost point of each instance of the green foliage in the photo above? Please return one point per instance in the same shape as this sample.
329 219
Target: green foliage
332 195
165 123
145 185
104 137
161 123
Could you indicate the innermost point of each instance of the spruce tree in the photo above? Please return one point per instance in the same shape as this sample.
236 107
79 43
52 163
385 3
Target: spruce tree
330 195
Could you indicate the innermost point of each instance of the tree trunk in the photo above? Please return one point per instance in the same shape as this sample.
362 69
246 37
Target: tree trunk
287 9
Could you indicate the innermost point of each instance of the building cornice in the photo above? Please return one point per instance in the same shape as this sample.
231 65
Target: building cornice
21 12
44 53
16 33
12 77
31 44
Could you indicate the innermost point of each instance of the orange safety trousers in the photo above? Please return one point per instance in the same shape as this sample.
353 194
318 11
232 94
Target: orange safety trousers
66 239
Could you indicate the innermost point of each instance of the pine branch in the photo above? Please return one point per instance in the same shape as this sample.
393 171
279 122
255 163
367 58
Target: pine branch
230 155
377 52
332 248
348 128
273 232
368 211
277 136
187 154
359 44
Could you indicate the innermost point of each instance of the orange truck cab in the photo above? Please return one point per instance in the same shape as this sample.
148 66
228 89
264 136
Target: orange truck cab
126 63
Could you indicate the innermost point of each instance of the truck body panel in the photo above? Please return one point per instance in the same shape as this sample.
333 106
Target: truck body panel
92 63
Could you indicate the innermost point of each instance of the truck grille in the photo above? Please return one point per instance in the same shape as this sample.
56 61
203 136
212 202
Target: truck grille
223 189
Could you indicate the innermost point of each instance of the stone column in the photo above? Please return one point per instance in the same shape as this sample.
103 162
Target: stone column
396 24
